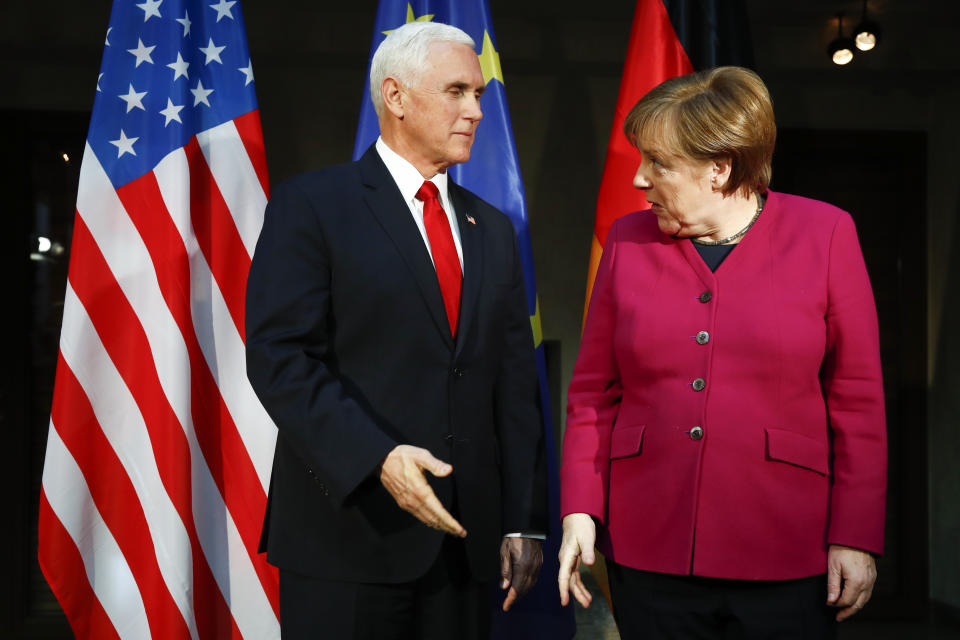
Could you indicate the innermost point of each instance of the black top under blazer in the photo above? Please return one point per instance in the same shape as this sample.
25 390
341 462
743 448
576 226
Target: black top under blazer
349 350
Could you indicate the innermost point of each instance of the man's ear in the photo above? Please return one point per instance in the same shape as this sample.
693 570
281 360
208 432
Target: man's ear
393 97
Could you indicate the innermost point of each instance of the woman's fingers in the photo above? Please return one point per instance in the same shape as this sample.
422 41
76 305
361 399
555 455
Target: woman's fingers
851 574
569 559
579 534
580 591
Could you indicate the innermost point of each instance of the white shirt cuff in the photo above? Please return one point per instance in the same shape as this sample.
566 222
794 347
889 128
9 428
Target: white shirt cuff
526 534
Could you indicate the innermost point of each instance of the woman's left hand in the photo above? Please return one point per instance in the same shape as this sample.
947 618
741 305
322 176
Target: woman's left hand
851 574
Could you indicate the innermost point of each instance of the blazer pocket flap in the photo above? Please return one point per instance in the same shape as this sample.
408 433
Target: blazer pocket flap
798 449
626 441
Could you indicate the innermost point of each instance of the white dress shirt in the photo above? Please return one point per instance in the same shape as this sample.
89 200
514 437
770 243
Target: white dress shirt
409 181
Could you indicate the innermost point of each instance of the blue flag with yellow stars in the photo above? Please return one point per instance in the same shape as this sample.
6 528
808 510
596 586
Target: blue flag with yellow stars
493 173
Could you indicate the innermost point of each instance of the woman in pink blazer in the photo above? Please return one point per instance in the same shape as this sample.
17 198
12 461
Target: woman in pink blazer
725 444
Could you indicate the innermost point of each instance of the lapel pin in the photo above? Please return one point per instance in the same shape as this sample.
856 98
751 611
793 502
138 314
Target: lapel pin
471 220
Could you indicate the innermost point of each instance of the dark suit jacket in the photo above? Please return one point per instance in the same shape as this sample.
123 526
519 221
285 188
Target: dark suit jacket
349 349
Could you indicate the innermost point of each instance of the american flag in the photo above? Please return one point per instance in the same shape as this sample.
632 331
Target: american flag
159 453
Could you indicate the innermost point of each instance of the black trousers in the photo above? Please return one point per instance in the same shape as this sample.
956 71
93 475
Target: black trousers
659 606
444 604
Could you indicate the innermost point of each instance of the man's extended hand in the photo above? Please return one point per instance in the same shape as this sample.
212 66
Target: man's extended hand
851 574
520 561
402 475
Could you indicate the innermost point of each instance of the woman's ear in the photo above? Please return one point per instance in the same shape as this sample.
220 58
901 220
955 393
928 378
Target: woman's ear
721 169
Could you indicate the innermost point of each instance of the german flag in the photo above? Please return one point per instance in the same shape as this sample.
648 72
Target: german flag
668 38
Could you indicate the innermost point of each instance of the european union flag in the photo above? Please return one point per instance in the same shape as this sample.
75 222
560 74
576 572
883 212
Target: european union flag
493 173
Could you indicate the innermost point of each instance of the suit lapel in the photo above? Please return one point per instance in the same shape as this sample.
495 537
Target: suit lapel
471 241
391 212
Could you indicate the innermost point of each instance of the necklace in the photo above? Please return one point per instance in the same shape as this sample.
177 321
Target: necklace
738 234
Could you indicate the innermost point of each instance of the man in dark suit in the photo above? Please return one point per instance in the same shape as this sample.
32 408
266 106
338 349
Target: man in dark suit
388 336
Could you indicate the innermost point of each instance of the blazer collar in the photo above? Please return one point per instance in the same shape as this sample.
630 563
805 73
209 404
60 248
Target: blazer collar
754 240
386 203
471 241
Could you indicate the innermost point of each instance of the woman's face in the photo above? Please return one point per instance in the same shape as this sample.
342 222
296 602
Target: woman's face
680 191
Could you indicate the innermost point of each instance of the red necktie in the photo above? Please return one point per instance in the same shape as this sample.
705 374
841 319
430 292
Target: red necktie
444 251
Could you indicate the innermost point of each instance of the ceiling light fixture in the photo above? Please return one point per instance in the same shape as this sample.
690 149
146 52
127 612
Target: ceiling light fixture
841 49
867 33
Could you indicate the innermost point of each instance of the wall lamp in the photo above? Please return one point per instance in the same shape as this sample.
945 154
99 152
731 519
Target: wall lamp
841 49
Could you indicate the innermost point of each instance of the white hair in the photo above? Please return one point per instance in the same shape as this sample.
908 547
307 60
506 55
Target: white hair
403 54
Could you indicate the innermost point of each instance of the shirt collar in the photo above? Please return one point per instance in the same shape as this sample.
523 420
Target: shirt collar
406 176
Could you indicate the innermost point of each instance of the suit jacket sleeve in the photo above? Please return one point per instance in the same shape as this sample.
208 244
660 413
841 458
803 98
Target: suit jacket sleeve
853 389
593 400
288 327
519 424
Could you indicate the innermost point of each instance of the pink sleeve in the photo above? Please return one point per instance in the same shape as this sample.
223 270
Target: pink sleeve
853 389
593 399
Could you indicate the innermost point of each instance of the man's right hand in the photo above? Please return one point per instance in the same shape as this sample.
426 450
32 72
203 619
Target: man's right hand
402 475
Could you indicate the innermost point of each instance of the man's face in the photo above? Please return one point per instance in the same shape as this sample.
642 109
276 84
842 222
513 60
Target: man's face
440 116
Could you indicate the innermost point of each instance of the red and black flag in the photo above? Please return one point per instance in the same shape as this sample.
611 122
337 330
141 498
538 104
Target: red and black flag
668 38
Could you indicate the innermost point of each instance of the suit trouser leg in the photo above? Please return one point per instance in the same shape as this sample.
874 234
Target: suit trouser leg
444 603
451 604
657 606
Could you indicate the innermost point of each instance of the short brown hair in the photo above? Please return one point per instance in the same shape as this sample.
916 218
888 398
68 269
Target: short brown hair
724 112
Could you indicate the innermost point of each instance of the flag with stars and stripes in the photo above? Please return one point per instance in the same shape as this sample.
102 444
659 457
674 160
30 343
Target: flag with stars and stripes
158 455
493 173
